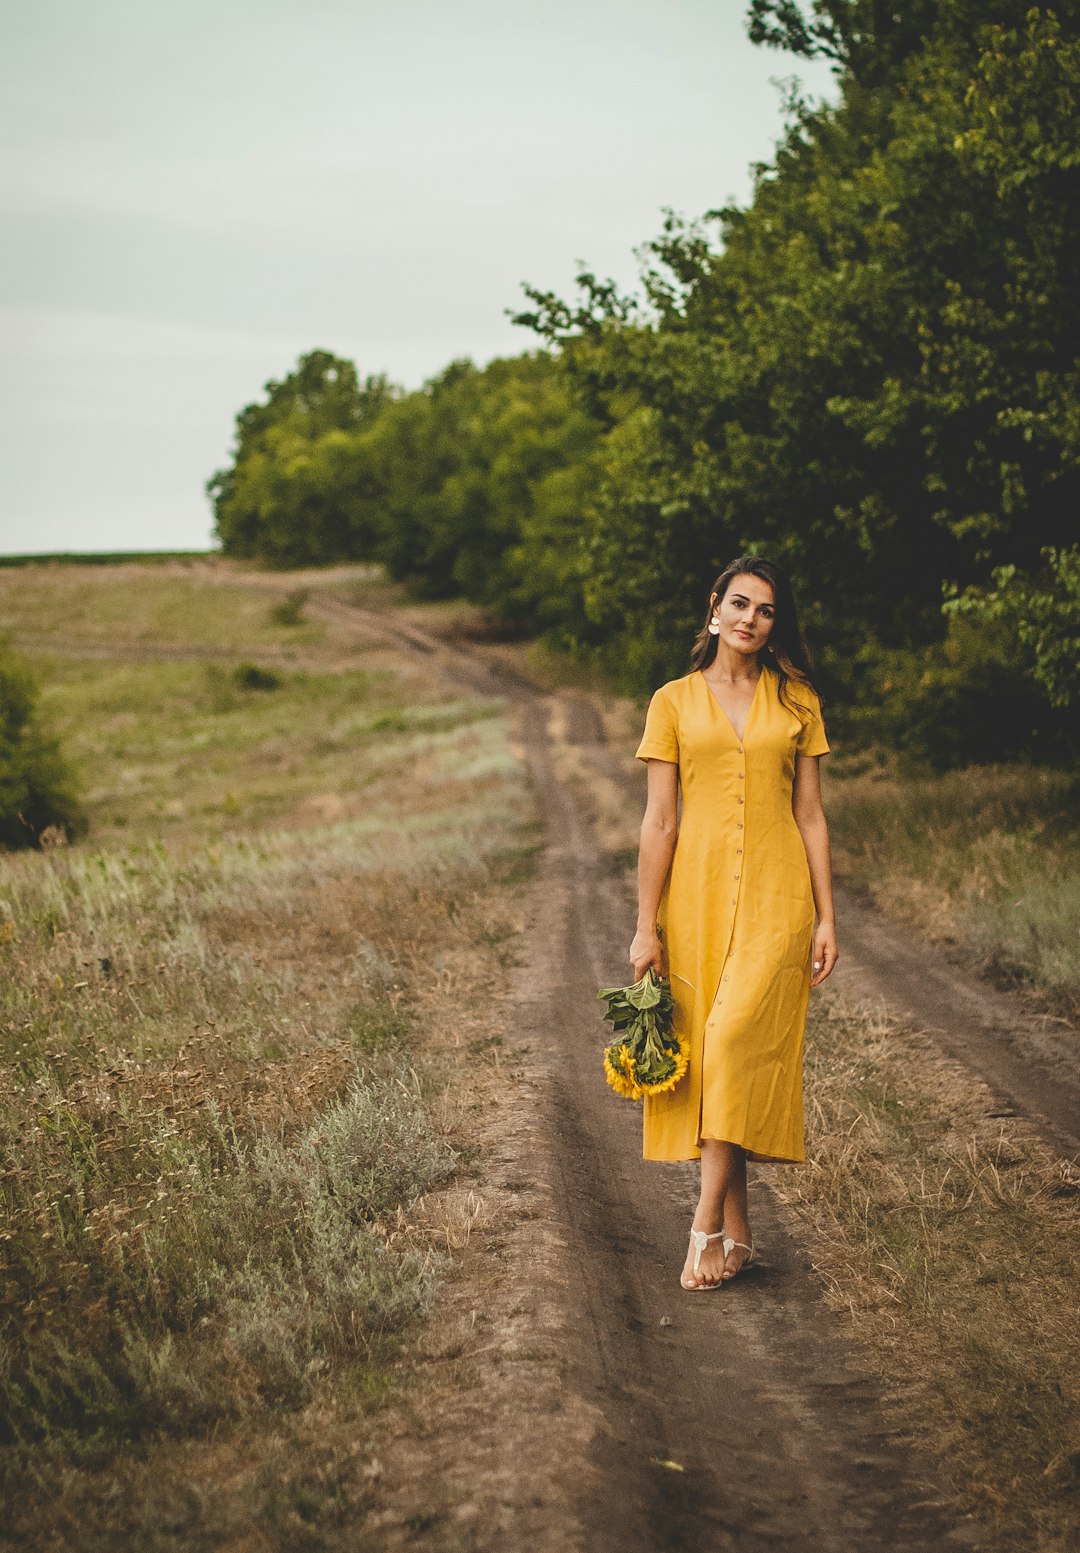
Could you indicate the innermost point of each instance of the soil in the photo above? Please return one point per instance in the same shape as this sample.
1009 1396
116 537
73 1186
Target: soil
594 1404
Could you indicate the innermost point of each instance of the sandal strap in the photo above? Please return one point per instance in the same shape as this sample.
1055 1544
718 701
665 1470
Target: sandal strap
701 1240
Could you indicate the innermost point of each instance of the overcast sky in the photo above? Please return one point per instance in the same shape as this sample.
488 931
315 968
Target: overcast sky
194 193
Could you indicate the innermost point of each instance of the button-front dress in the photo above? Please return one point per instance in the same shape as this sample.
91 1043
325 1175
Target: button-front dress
737 917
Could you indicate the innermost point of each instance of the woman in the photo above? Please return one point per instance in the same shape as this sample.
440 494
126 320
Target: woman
733 889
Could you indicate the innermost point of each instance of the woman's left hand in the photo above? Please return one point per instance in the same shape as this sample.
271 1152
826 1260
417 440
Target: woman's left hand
826 953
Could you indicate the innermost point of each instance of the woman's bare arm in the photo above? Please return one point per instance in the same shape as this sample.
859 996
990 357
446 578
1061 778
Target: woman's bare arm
810 818
659 827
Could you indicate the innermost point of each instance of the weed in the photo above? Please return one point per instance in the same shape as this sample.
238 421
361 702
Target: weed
289 611
249 676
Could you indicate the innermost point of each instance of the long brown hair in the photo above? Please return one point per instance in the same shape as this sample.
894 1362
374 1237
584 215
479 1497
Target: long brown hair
786 652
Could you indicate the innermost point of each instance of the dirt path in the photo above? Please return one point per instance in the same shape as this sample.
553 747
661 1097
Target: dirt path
753 1392
736 1420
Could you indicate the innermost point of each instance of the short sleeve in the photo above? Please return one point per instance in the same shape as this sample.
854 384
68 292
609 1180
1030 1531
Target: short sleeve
811 740
660 741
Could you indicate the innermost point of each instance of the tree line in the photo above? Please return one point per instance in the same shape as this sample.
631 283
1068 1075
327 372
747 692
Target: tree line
870 373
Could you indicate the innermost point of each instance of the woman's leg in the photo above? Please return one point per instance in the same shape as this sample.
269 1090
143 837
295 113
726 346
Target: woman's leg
737 1218
721 1205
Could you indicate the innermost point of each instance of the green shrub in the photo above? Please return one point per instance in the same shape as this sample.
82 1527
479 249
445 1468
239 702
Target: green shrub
967 700
289 611
38 796
249 676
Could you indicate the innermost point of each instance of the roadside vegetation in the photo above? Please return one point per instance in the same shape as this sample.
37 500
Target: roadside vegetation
986 858
230 1120
950 1237
38 787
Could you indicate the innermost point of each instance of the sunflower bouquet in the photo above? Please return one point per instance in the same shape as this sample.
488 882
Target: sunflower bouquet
646 1057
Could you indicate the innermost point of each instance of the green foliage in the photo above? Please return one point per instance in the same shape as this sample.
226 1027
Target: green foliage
966 700
38 792
251 676
872 377
298 489
485 474
473 485
1043 612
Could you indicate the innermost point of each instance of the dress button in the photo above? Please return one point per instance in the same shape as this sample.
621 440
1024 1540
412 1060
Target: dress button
741 775
727 978
738 823
740 800
736 876
738 851
733 900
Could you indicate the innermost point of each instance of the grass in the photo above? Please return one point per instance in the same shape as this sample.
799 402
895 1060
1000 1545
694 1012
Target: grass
57 558
225 1123
201 604
179 748
951 1240
987 858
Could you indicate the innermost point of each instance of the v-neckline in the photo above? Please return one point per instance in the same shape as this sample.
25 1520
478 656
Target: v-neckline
740 738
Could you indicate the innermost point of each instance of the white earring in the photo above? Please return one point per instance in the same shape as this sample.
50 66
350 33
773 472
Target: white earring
714 626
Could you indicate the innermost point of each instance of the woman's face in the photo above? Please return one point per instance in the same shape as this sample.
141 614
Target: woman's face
746 613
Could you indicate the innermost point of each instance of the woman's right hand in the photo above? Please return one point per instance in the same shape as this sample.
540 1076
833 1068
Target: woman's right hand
646 950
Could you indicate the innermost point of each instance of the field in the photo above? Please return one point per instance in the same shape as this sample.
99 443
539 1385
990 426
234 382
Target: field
250 1032
237 1036
986 858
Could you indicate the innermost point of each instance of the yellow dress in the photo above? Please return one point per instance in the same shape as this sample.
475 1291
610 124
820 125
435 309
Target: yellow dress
737 916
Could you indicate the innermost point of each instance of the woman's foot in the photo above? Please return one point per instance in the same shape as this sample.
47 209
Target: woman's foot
709 1257
739 1245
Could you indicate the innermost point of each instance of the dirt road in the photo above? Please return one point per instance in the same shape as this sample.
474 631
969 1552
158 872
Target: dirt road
740 1419
753 1392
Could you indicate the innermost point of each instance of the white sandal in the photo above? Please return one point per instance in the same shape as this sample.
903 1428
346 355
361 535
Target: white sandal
700 1241
729 1246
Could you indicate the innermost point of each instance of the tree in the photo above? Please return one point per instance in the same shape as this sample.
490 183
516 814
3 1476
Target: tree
1042 612
871 374
299 490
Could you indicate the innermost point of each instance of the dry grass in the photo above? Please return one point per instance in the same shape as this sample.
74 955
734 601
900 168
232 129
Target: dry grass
951 1238
182 604
229 1124
988 858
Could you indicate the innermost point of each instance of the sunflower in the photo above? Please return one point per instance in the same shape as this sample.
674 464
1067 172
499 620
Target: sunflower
646 1057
